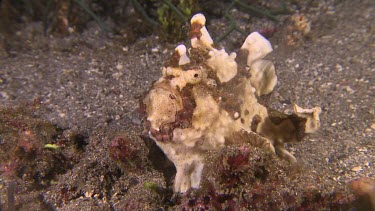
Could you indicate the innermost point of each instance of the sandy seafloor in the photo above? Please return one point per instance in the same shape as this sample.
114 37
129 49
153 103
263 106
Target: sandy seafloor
89 83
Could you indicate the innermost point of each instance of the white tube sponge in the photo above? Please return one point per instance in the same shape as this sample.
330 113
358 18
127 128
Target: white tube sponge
224 64
181 50
203 40
263 76
257 46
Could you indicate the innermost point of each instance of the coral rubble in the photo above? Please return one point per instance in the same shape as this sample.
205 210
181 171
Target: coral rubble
208 98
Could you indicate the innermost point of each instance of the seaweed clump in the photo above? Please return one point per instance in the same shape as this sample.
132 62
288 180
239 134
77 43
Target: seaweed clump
33 151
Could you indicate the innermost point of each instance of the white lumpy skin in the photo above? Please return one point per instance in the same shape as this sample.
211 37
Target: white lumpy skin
257 46
224 64
161 108
263 76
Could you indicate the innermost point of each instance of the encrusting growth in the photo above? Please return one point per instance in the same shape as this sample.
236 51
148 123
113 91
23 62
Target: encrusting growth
207 99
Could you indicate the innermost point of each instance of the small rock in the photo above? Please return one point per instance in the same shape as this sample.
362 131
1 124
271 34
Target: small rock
349 89
4 95
119 66
89 194
339 67
357 169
